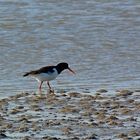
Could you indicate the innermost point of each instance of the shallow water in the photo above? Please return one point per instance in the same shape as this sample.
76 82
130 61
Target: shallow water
99 39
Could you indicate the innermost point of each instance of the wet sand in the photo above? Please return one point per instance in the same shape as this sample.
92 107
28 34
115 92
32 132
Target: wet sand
72 116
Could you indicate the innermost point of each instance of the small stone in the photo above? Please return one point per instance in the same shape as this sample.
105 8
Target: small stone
102 91
24 119
99 97
66 130
69 109
111 122
113 117
2 135
94 124
23 128
20 107
125 92
63 94
126 111
15 111
7 126
75 138
26 138
92 137
75 94
131 101
133 133
122 135
101 116
131 119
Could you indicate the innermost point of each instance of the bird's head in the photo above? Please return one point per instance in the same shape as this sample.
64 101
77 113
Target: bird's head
62 66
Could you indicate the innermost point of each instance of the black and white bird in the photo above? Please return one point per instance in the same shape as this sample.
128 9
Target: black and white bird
48 73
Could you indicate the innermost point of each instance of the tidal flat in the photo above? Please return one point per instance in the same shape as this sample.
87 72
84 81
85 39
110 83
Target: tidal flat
101 115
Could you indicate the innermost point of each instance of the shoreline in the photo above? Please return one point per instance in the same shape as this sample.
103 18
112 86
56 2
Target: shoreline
73 115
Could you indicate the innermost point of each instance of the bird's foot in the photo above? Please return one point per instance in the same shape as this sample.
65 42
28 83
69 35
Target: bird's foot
51 91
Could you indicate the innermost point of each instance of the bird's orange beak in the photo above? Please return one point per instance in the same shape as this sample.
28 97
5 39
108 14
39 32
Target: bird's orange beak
71 71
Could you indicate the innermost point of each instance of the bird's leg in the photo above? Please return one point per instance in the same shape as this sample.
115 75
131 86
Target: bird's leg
40 85
49 85
50 89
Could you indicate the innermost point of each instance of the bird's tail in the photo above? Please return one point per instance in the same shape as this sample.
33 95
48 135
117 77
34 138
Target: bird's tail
26 74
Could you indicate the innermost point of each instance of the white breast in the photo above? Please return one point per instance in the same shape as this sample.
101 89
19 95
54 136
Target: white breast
46 76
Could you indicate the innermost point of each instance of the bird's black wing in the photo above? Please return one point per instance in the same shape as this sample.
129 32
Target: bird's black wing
41 70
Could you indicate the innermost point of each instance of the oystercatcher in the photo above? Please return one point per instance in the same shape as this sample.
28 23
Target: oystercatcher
48 73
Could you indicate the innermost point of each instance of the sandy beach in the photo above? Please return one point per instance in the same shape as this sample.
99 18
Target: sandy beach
79 116
100 40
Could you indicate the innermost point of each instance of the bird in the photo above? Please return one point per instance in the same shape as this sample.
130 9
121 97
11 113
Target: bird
48 73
